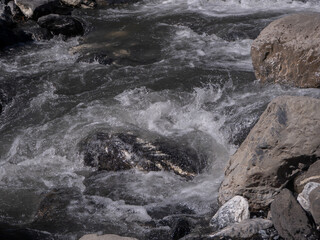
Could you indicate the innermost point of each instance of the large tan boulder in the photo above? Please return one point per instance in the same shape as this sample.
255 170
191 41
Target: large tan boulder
288 51
283 143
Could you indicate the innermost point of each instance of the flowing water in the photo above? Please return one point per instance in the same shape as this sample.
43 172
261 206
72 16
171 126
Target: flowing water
188 77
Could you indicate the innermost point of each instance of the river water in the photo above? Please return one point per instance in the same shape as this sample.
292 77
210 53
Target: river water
187 76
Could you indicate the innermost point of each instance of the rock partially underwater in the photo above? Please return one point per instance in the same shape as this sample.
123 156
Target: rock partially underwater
123 151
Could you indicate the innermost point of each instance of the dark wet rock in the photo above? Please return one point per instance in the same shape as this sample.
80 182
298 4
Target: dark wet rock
80 3
160 211
16 13
5 15
58 24
234 211
304 196
180 229
8 232
315 205
35 31
290 219
287 51
52 214
9 36
281 145
161 233
312 175
38 8
123 151
245 229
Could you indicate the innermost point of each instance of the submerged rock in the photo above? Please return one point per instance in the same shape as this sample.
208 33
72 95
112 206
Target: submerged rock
105 237
288 51
303 197
123 151
58 24
52 214
243 230
281 145
233 211
289 218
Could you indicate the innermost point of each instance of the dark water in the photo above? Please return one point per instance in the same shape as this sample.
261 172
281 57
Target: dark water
183 71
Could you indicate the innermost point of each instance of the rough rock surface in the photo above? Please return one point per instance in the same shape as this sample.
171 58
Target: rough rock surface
288 51
245 229
312 175
80 3
233 211
58 24
284 142
290 219
315 205
123 151
303 197
37 8
105 237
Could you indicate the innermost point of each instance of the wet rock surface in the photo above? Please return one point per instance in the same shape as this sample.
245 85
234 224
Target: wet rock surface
9 34
281 145
287 51
123 151
289 218
58 24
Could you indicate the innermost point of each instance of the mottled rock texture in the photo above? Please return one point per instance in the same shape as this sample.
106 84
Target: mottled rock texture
290 219
123 151
233 211
243 230
283 143
288 51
